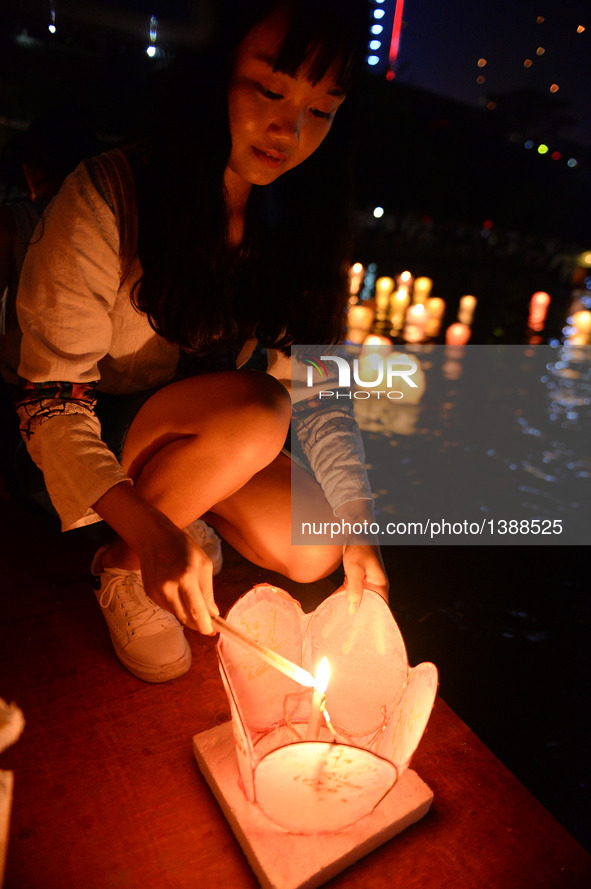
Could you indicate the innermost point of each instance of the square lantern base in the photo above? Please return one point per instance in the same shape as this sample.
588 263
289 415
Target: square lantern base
283 860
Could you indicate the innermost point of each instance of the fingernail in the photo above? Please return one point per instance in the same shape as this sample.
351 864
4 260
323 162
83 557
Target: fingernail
353 607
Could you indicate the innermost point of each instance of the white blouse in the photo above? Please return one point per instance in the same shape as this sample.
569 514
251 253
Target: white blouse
79 325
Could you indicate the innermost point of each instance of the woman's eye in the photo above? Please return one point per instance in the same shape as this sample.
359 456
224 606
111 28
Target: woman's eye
268 94
323 115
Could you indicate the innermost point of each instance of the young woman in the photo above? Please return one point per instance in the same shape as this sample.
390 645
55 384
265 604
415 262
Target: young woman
134 408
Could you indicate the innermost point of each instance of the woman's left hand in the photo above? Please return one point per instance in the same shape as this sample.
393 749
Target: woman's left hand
364 569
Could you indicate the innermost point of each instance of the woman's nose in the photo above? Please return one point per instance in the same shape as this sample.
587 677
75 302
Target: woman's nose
286 126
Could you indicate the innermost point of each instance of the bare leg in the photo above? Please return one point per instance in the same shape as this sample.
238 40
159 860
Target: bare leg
256 520
209 444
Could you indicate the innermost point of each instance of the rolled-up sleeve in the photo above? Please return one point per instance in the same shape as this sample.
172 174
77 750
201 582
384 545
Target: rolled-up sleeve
329 437
68 287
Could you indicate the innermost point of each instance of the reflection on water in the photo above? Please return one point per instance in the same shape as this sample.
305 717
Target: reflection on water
500 433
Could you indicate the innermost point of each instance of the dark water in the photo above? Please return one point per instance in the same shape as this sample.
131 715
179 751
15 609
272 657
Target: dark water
501 438
506 618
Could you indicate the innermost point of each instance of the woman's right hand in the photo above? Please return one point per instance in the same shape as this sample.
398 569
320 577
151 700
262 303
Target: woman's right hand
177 575
176 572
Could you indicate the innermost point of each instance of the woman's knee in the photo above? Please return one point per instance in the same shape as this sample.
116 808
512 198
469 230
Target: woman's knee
248 410
312 563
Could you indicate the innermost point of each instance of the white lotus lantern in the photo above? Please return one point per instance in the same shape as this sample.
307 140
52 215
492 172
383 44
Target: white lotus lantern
373 708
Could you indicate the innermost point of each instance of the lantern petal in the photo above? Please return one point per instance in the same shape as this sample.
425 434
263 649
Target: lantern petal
412 715
368 662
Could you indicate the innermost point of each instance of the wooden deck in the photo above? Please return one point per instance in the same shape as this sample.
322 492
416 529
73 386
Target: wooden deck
107 791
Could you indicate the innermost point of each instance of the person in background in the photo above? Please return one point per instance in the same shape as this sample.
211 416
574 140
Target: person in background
159 269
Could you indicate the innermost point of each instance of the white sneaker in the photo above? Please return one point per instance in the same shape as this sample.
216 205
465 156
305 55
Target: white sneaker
148 640
209 541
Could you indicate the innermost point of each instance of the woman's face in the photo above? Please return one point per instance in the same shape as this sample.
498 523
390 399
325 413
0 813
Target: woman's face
276 121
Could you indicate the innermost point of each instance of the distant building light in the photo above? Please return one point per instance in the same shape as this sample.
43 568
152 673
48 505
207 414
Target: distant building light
151 51
481 79
52 29
540 51
376 29
572 162
481 63
375 44
528 63
373 60
540 19
153 29
556 155
491 105
554 88
378 212
378 14
530 143
580 29
543 149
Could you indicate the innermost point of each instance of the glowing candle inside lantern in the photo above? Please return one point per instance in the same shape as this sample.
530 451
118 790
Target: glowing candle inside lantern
318 701
466 312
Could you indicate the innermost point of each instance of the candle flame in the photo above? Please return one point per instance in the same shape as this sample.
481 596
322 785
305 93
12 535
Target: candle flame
322 674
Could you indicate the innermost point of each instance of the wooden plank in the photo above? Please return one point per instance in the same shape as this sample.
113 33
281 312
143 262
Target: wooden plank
6 785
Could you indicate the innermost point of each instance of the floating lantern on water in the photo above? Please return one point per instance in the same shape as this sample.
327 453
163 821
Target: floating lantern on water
457 334
384 288
466 310
405 279
414 329
581 321
581 325
368 721
356 275
422 290
359 322
538 308
435 312
398 306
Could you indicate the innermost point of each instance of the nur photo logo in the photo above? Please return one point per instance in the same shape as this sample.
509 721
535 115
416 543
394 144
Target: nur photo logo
370 374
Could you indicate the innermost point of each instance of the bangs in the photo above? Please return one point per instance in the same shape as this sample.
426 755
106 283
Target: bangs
324 36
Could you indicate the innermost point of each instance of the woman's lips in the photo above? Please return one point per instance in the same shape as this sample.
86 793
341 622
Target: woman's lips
270 158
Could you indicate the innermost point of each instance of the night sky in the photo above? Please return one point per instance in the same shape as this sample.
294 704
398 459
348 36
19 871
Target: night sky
442 42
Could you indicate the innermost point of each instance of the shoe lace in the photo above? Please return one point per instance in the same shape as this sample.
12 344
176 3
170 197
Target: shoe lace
138 608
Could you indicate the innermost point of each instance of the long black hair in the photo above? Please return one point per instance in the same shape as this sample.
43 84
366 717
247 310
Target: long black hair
288 282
